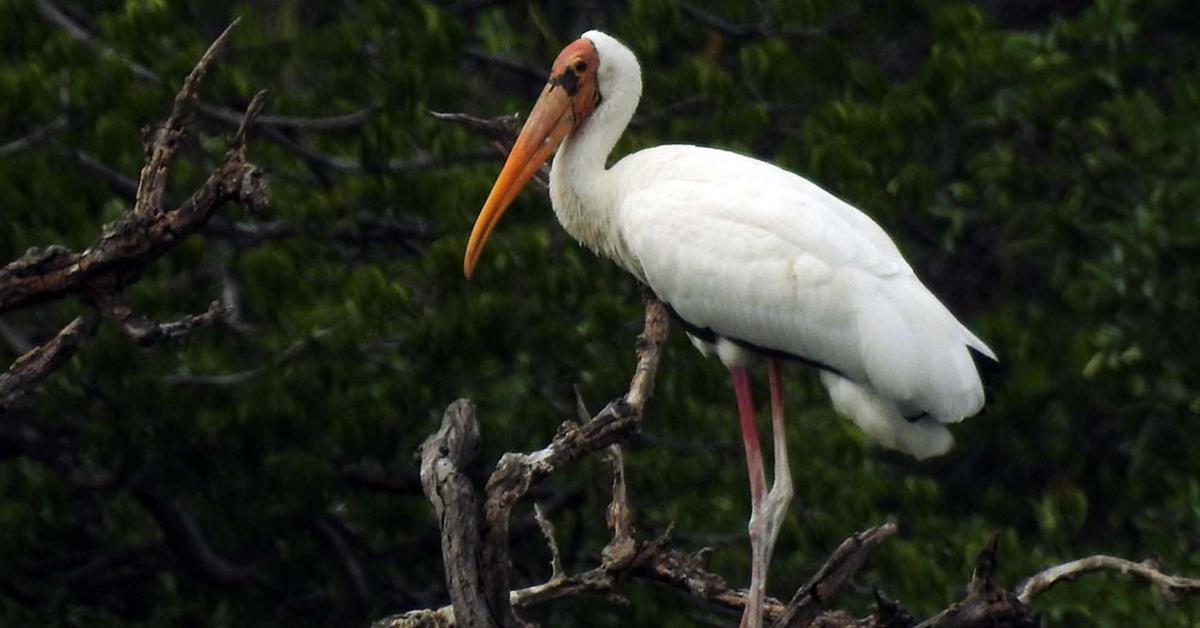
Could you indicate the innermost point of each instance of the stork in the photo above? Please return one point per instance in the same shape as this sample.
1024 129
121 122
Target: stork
753 261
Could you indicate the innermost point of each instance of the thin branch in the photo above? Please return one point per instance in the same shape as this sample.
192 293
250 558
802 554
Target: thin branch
765 27
241 377
34 137
121 184
556 569
1173 587
522 68
147 332
30 369
341 122
55 16
350 165
331 532
183 534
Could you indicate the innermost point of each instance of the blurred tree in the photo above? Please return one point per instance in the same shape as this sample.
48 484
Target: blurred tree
1037 162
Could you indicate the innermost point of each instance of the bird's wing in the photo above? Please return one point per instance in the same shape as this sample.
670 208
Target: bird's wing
778 266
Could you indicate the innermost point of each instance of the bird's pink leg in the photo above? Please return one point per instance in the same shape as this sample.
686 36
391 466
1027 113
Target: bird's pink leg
752 615
777 501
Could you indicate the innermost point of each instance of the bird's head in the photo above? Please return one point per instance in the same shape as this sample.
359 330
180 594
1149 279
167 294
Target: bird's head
571 94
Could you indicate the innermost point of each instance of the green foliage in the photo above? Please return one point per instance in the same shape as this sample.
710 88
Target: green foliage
1037 166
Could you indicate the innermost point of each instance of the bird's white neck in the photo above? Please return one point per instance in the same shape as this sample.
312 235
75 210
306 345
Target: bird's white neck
584 197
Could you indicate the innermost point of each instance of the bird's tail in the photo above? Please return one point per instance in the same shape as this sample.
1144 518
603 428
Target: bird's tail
882 421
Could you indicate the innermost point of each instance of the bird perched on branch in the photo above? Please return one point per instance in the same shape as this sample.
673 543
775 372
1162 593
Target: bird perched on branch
754 261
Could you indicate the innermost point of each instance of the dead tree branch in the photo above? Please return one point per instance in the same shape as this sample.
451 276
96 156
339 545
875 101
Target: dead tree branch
147 332
145 234
1173 587
30 369
454 499
846 560
101 272
987 604
475 536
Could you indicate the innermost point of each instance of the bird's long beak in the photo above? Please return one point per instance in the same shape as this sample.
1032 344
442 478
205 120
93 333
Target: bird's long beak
550 121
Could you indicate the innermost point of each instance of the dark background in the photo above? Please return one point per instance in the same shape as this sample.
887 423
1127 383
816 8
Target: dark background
1036 161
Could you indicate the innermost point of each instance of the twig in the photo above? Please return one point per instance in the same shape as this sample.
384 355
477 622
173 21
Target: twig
1173 587
30 369
556 569
502 130
622 548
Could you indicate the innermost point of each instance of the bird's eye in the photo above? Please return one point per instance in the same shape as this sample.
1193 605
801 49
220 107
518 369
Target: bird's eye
580 66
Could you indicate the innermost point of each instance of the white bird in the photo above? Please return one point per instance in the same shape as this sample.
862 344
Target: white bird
752 260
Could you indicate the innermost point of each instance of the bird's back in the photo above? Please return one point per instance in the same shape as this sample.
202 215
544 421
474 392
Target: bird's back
760 255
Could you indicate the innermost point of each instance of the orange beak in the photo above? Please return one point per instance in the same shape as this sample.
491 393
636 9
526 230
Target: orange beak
550 121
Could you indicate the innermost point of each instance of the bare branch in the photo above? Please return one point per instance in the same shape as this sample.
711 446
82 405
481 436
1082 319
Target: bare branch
241 377
147 332
152 184
765 27
501 130
30 369
349 165
455 502
556 569
55 16
523 68
141 236
1173 587
622 548
34 137
332 533
845 561
327 123
183 534
987 603
122 185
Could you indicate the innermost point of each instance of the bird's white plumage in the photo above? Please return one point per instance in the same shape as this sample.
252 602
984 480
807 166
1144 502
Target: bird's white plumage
761 255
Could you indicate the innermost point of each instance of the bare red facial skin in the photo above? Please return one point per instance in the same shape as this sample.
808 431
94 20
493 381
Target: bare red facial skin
574 70
567 100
